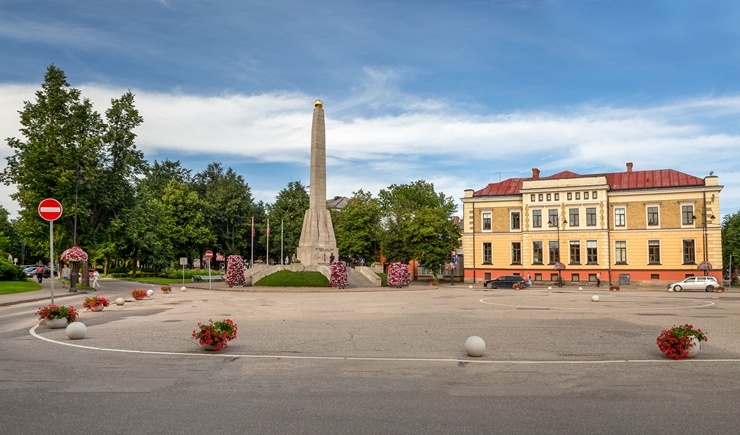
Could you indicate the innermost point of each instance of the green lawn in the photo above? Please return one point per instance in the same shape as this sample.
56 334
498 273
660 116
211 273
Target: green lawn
11 287
287 278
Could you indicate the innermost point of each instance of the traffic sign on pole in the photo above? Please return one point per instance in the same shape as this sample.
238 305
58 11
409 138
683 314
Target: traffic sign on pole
209 254
50 209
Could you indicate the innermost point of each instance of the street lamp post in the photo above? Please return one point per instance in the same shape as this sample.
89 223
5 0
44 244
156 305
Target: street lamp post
556 224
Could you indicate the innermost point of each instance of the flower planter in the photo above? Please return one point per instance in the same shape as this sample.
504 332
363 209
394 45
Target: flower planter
209 348
139 298
97 308
56 323
695 347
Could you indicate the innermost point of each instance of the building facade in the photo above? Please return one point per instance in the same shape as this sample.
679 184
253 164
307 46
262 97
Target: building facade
648 227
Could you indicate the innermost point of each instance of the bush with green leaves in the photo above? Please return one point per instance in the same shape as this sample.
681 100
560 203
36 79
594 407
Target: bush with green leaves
11 272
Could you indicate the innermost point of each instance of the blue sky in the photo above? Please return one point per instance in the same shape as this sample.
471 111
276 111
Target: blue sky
459 93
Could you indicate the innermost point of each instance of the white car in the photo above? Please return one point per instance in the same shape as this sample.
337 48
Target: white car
706 283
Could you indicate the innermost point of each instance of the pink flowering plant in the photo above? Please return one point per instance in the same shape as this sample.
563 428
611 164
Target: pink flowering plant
52 311
234 270
398 275
95 301
675 342
215 334
339 274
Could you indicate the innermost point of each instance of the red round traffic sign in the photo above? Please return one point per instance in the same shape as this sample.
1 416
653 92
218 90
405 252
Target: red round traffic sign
209 254
50 209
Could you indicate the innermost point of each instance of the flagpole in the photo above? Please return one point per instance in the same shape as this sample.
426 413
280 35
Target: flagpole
281 241
251 257
268 242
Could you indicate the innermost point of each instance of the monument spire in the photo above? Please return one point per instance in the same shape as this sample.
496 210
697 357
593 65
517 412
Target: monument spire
317 242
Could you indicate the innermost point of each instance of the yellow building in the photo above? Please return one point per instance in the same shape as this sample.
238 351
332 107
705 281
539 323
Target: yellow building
635 227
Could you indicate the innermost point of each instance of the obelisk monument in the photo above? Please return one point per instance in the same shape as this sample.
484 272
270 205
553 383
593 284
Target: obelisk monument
317 242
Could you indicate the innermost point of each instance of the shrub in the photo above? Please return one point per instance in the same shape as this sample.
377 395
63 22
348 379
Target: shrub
11 272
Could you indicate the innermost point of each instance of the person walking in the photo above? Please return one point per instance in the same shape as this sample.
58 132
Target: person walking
65 276
40 273
598 279
96 276
331 258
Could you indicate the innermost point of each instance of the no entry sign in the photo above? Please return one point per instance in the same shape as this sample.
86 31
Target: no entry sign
209 254
50 209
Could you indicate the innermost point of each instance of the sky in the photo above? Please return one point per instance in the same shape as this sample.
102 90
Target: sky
459 93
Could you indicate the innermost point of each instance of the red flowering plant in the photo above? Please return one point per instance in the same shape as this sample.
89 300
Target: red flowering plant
52 311
138 293
95 301
234 270
675 342
339 274
215 334
398 275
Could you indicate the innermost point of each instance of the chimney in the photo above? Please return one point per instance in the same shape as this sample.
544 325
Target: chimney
535 174
629 166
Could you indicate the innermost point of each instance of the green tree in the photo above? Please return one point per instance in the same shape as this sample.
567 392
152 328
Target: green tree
229 207
357 226
731 240
418 224
183 220
288 209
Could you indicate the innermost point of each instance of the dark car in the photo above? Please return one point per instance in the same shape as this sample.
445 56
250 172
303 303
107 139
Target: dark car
31 272
506 281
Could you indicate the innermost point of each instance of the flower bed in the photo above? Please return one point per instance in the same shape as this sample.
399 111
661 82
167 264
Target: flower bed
52 311
138 294
92 302
676 342
398 275
339 274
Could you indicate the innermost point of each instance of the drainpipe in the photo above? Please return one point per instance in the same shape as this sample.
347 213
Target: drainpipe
474 267
706 256
608 240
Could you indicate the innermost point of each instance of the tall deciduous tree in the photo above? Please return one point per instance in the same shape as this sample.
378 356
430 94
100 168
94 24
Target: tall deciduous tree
357 226
731 240
418 224
288 209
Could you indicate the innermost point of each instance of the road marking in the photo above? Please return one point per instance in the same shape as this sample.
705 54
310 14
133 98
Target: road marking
32 331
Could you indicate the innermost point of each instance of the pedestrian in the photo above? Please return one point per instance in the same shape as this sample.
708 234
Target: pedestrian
331 258
362 261
65 276
96 276
40 273
598 279
529 281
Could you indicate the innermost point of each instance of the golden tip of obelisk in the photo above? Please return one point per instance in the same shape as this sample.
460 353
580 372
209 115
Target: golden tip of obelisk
318 103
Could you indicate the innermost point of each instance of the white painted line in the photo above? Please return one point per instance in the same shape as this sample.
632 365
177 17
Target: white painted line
604 304
50 209
32 331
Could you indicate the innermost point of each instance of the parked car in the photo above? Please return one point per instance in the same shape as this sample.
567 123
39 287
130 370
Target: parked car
505 281
30 272
706 283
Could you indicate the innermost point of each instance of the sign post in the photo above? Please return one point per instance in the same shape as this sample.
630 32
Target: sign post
50 210
183 263
209 255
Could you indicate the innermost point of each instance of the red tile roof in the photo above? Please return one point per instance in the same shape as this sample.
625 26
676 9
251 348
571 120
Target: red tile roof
629 180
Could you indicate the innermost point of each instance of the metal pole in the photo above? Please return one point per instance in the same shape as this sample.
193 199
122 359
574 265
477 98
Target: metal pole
281 241
51 257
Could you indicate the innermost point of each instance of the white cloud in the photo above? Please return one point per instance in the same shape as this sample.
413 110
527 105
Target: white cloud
424 140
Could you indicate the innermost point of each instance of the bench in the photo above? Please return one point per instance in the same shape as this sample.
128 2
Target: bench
212 278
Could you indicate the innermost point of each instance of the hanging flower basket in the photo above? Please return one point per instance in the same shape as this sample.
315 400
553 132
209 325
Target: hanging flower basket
74 254
339 274
704 265
558 266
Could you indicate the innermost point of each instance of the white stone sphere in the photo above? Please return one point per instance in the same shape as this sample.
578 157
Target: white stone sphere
149 293
475 346
120 301
549 288
595 298
470 286
76 330
580 289
670 289
183 288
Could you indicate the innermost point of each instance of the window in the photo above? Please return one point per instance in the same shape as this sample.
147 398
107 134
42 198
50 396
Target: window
487 221
578 195
585 195
593 195
537 252
654 251
652 216
487 253
516 220
516 253
487 276
557 197
575 252
591 216
619 217
554 277
573 217
531 197
570 196
554 246
536 218
620 252
592 252
539 197
575 277
549 197
538 277
552 218
654 276
687 215
689 251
